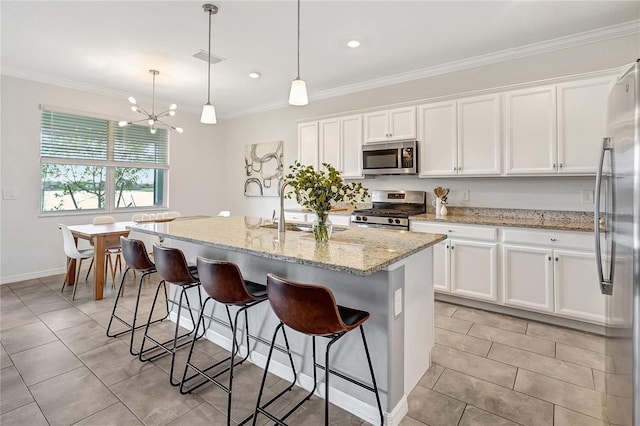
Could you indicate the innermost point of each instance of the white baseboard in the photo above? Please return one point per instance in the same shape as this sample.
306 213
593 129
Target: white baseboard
31 275
339 398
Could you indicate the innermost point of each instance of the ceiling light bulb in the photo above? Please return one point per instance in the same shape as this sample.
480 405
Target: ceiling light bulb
173 106
122 123
353 44
132 100
254 74
153 130
208 114
179 129
298 93
172 112
151 121
134 108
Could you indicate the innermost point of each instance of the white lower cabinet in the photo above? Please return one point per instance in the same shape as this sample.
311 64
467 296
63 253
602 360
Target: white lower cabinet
552 272
527 274
466 264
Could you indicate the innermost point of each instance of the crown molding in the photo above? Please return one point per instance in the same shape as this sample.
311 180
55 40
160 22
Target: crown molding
574 40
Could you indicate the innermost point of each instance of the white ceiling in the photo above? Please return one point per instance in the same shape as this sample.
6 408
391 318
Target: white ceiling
109 46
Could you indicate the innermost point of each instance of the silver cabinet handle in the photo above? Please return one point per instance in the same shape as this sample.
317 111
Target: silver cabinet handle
549 258
606 284
553 239
455 168
561 165
554 165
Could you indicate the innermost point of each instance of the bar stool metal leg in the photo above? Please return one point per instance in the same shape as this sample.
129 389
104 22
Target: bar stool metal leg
262 408
131 328
172 345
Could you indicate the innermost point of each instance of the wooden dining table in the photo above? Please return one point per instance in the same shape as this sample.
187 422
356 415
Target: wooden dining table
102 236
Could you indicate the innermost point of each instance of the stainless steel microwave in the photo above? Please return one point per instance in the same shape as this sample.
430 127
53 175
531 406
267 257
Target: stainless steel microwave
390 158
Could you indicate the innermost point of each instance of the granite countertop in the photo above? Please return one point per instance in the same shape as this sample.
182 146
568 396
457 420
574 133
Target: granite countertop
541 219
359 251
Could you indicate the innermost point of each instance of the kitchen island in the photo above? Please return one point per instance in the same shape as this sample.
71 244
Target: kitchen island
385 272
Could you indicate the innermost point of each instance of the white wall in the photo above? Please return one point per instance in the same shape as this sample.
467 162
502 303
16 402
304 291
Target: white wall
207 161
31 244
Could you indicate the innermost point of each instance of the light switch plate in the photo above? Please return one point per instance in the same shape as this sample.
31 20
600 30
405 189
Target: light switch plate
397 302
9 194
465 195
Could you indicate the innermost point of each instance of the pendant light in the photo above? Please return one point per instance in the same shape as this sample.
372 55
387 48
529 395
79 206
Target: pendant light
298 93
208 110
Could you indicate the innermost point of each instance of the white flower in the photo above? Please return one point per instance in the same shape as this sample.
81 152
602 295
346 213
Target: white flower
334 189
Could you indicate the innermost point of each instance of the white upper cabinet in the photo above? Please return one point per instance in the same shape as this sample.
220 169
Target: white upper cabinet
389 125
351 146
308 150
460 137
337 141
438 139
556 129
530 133
582 123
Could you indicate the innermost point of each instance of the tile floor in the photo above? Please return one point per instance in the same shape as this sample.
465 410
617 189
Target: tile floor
58 367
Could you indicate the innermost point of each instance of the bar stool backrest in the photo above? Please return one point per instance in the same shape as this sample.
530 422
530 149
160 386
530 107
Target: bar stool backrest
223 281
307 308
135 254
172 265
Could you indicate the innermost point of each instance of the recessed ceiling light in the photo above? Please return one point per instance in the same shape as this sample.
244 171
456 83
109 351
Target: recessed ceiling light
254 74
353 44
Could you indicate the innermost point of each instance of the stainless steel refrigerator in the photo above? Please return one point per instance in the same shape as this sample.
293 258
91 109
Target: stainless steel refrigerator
617 232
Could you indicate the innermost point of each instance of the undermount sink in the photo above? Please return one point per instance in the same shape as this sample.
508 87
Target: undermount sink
304 227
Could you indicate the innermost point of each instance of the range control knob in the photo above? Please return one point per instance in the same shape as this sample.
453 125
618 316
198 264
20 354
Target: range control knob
398 221
364 218
390 220
358 218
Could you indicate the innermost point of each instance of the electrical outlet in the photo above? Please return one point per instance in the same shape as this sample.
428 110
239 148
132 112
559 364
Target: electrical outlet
465 195
397 302
587 197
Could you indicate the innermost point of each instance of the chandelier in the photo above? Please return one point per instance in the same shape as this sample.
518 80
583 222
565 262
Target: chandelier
152 118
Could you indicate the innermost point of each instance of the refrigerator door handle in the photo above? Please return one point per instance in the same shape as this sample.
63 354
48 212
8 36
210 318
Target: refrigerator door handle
606 284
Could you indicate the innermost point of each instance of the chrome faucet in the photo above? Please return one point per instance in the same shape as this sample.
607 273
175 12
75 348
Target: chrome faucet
281 220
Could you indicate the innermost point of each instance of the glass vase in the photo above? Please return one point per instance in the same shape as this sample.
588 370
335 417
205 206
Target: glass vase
322 227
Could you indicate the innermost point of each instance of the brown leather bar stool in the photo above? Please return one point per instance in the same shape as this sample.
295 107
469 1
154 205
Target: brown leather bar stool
173 268
223 283
312 310
137 259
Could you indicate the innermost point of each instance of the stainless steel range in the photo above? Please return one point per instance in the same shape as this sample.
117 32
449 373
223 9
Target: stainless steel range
391 209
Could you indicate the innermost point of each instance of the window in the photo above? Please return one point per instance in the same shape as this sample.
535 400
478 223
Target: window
92 163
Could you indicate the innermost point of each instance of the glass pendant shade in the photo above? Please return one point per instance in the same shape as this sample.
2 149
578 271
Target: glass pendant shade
298 93
208 114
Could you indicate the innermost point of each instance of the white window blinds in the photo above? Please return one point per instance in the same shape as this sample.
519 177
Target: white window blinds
68 138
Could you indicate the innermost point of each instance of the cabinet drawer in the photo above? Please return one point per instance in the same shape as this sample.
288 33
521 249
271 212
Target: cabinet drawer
456 231
580 240
295 217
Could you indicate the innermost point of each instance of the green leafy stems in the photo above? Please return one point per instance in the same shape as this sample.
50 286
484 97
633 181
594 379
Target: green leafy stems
320 190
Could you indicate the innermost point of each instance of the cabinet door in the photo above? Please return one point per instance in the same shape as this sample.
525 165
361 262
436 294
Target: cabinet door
530 131
577 293
473 269
375 126
441 280
438 139
308 149
351 137
402 123
479 135
330 147
527 277
582 115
